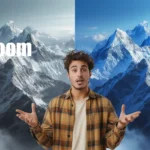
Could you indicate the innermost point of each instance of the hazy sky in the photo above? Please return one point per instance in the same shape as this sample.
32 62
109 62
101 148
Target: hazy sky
49 16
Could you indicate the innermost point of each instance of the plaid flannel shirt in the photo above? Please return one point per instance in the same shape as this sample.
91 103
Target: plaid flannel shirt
56 130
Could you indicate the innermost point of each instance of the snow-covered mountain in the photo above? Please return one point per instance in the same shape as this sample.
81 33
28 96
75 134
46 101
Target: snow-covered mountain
146 42
122 74
113 57
24 80
12 98
40 73
8 32
132 89
38 86
139 33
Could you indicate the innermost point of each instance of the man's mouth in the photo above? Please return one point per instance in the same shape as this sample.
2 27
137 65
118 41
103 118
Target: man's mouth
79 81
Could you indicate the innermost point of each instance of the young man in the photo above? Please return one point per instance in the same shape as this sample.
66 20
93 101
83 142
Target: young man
79 119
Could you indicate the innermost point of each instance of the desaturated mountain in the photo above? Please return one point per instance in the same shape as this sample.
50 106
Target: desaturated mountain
64 44
11 99
113 57
24 80
139 33
41 72
131 88
43 38
8 32
20 86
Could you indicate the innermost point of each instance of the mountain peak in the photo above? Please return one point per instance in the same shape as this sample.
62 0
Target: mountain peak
120 32
11 24
145 24
139 33
12 27
29 29
141 28
8 31
118 37
31 39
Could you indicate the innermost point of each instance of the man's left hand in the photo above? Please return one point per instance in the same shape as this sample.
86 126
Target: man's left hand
124 119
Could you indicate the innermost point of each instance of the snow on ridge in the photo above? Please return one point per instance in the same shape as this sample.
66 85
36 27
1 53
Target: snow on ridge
13 27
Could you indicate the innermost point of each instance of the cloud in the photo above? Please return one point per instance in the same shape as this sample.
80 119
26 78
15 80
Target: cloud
134 140
86 36
98 37
7 142
93 28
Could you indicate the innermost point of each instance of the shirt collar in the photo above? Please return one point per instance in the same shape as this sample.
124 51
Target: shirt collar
91 94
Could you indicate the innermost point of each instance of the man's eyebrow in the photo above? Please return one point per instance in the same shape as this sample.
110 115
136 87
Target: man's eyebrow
84 66
81 66
73 66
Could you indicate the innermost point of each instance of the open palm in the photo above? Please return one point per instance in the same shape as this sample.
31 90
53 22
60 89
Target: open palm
126 119
30 118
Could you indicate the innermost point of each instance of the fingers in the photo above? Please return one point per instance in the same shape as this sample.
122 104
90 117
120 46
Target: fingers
137 112
136 115
20 111
33 107
123 109
131 118
22 117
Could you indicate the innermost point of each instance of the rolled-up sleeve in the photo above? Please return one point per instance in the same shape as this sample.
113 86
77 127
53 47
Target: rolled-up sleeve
43 134
114 135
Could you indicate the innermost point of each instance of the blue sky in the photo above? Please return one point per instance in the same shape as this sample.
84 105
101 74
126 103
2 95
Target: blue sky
49 16
94 17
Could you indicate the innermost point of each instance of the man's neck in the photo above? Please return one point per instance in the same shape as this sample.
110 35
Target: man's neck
79 94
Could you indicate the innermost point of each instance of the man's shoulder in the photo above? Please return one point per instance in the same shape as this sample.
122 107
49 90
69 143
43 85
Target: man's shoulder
56 99
102 98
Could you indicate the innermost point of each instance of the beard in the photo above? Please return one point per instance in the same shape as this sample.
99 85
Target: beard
79 88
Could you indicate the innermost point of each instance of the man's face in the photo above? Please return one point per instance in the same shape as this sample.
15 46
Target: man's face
79 74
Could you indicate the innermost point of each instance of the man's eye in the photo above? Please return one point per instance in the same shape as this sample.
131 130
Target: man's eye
74 70
84 70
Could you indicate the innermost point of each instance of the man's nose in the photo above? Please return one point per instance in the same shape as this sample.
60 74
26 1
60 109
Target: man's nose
79 73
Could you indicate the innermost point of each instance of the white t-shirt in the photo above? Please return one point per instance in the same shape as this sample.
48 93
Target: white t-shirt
79 132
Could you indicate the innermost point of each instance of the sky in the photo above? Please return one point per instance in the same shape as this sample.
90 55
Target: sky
54 17
100 18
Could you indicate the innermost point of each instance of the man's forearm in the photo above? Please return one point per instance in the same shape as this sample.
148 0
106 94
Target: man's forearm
114 136
44 138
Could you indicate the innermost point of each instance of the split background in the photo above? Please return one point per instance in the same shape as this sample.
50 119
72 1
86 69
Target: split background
115 33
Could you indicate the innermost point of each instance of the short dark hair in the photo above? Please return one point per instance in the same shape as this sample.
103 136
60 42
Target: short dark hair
78 55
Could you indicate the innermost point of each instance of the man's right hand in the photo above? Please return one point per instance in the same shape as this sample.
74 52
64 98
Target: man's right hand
30 118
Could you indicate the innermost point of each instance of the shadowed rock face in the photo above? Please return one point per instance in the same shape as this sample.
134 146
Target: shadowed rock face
130 88
21 83
13 98
13 129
